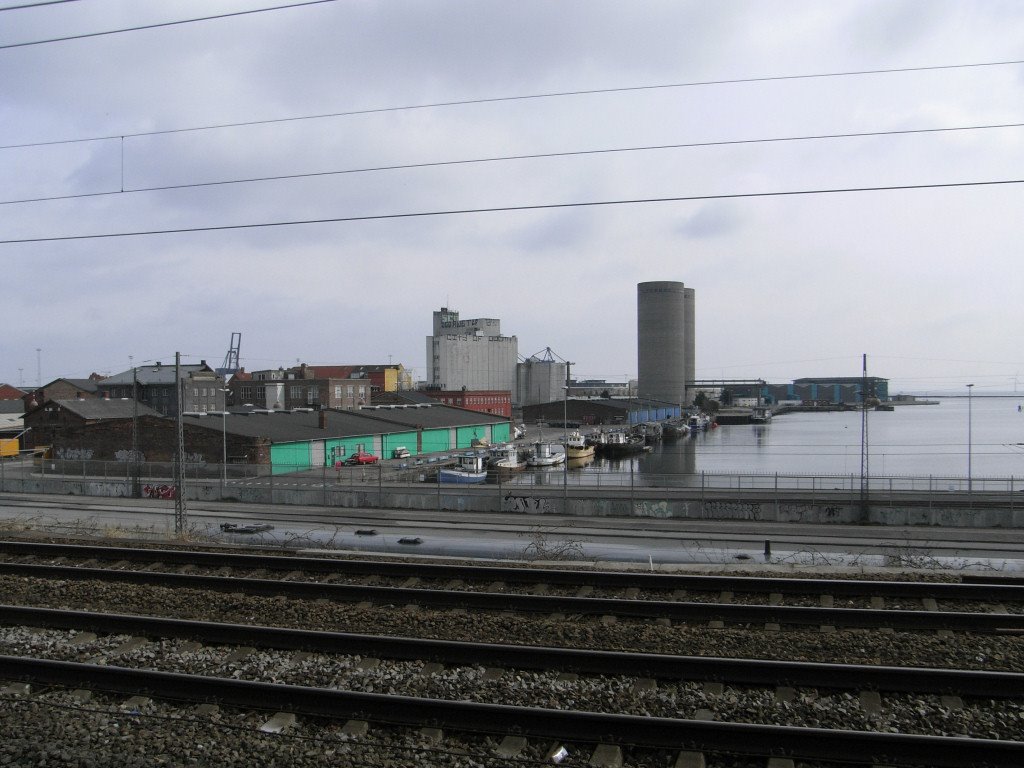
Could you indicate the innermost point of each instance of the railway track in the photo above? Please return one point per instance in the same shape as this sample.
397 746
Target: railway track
128 665
462 665
674 598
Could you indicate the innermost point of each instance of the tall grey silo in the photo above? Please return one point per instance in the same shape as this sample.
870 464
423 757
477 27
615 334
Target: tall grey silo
665 340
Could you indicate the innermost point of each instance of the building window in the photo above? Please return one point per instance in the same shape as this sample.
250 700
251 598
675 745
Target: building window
337 391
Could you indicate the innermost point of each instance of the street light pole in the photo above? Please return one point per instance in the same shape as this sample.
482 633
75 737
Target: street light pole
970 441
224 441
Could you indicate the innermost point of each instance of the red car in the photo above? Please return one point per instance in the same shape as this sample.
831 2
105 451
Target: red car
362 458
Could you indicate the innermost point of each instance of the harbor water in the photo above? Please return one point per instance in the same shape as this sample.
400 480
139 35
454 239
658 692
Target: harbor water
981 437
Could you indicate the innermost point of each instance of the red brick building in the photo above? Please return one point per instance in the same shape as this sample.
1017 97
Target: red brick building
496 401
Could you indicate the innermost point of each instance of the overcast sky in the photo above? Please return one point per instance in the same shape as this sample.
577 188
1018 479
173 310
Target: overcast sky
927 282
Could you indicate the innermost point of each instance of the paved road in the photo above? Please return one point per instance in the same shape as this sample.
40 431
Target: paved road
652 541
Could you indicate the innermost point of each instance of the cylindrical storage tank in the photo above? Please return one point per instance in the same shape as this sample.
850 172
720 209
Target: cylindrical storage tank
665 340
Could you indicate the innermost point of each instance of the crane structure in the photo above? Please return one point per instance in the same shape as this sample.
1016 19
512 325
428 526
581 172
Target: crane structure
230 365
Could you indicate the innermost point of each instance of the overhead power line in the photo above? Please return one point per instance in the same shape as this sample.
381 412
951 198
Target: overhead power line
39 4
506 209
495 99
158 25
506 158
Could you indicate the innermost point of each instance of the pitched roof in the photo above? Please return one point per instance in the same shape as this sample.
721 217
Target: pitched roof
95 408
295 426
154 374
10 392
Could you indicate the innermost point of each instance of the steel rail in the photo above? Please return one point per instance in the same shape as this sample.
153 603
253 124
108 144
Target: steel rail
985 591
494 601
588 727
857 677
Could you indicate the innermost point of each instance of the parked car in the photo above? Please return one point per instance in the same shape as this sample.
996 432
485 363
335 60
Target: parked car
401 452
361 458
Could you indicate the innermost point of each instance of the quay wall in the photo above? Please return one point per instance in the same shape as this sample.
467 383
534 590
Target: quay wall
759 507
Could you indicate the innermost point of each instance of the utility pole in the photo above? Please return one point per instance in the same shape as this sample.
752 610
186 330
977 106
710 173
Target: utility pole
565 439
136 485
180 512
865 451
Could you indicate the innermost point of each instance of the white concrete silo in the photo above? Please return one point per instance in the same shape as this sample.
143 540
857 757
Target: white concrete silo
665 340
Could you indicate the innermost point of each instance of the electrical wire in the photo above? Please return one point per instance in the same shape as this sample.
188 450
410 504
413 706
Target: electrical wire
158 25
508 158
40 4
505 209
522 97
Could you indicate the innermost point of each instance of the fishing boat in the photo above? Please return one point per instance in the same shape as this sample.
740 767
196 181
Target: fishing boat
576 447
545 455
698 422
506 457
617 443
760 414
469 470
673 430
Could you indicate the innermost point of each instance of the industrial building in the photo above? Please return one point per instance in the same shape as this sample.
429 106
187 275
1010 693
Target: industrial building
820 391
201 388
540 378
470 354
665 341
280 441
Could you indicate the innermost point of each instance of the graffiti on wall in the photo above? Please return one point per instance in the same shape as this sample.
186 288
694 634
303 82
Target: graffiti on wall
158 491
124 455
74 454
528 504
732 510
652 509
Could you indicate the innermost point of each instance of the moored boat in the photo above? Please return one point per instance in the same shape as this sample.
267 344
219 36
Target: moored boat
545 455
673 430
470 470
576 447
505 456
698 422
617 443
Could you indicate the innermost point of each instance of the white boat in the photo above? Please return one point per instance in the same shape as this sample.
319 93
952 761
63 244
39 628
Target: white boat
760 414
698 422
576 446
545 455
469 470
505 456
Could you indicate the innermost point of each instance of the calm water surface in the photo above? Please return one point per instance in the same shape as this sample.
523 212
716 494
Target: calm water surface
917 440
912 440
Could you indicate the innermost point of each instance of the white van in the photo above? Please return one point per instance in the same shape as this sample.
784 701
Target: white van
401 452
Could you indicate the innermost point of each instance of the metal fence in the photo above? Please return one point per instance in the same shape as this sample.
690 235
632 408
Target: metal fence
231 477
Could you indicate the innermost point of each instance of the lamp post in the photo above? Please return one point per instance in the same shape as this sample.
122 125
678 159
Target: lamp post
224 441
565 443
969 439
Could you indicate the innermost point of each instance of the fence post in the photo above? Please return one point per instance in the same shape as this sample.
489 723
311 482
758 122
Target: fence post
380 485
702 510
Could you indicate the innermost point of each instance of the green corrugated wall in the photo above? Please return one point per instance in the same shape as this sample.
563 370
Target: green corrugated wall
340 448
289 457
434 440
404 439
